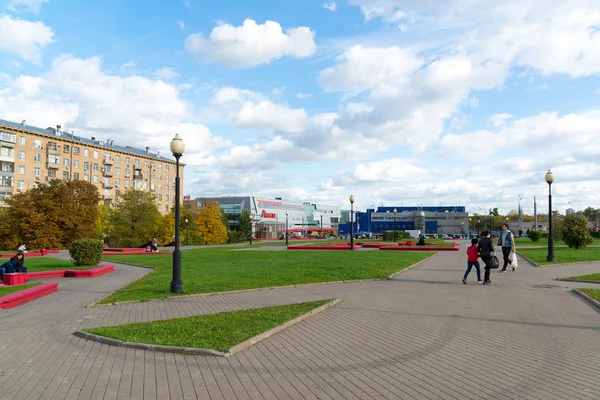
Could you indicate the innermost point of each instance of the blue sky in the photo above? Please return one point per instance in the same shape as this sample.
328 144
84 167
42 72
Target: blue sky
395 101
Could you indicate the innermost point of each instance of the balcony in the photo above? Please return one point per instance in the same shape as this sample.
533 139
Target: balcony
6 189
108 161
52 165
138 177
53 150
109 196
108 185
108 173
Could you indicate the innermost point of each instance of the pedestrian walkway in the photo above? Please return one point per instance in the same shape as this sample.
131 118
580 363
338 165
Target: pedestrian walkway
421 335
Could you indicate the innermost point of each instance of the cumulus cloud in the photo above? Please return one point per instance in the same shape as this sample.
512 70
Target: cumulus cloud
331 6
251 44
30 5
23 38
167 73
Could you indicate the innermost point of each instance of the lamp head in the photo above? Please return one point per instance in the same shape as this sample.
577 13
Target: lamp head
177 145
549 177
351 199
395 211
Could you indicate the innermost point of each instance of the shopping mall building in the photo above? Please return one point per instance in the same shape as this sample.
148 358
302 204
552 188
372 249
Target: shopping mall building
270 215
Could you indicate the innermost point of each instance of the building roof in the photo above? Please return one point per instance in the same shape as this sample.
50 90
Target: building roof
108 145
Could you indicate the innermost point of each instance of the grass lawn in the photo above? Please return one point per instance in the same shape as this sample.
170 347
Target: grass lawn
214 331
220 270
562 255
593 293
590 277
35 264
4 290
543 242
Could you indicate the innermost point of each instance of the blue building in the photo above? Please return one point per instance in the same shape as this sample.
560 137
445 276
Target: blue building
436 220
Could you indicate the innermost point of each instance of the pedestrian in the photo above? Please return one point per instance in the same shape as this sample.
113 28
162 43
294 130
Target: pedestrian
486 251
507 241
472 261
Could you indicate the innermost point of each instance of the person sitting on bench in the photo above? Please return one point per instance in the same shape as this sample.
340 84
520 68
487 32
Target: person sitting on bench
14 265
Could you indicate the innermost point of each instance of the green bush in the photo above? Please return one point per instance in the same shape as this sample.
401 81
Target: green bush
595 234
575 232
534 235
400 235
86 251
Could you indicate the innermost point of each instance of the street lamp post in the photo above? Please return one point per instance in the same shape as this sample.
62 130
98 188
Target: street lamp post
490 220
286 229
351 222
549 179
186 231
177 148
321 225
395 211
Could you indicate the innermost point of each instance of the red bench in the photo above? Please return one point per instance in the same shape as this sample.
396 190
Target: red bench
26 295
15 278
89 273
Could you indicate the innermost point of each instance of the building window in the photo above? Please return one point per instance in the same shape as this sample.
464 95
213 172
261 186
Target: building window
75 150
21 169
145 175
22 155
86 152
22 140
95 154
66 162
107 156
37 157
166 207
127 172
117 182
159 207
159 188
65 176
118 170
76 176
65 148
37 143
167 168
117 193
159 167
126 184
146 164
173 179
136 162
75 163
86 165
127 160
95 166
53 160
159 197
86 177
167 197
37 172
95 178
52 174
21 185
118 158
6 181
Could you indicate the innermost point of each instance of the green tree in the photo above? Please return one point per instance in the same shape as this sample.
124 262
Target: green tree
210 223
103 226
51 215
575 232
135 219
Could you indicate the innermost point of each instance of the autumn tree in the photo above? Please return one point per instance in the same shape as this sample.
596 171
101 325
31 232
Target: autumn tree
210 223
103 226
134 220
51 215
243 229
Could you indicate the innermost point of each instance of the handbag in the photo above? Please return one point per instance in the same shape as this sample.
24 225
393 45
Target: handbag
494 263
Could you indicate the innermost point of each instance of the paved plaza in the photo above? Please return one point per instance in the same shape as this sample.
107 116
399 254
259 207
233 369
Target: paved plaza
421 335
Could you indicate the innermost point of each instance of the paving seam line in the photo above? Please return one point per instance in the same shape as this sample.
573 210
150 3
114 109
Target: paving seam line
593 302
300 285
200 351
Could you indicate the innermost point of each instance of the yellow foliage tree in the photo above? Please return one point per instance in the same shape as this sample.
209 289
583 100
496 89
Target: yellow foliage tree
210 223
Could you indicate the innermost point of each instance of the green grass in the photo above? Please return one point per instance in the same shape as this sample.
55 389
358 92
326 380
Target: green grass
562 255
4 290
593 293
543 242
590 277
36 264
220 270
215 331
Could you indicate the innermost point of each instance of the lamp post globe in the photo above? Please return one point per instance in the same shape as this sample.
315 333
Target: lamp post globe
351 221
177 148
549 180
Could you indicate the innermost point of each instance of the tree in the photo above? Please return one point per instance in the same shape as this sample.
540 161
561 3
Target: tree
103 226
575 232
210 223
52 215
134 219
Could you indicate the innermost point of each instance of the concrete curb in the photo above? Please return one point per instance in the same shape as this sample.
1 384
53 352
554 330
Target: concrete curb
93 305
592 302
528 260
204 352
577 281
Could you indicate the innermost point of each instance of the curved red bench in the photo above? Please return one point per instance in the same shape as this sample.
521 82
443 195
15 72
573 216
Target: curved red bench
26 295
58 273
321 247
89 273
133 253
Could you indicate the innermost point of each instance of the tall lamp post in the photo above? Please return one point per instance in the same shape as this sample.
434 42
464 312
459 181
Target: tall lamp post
351 222
186 231
395 211
490 220
286 229
549 179
177 148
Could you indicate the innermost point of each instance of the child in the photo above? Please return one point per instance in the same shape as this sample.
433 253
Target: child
472 257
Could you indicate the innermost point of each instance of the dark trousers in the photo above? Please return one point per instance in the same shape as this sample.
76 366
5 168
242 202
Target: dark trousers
506 256
470 265
486 262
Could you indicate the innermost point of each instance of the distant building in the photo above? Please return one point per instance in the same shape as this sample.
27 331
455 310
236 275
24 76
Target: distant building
269 215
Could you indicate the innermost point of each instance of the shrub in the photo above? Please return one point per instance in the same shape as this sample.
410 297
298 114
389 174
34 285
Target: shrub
86 251
575 232
534 235
595 234
400 235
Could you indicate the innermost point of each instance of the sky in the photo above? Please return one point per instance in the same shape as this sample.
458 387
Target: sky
399 102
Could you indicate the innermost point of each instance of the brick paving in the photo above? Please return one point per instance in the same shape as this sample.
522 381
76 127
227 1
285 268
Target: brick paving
421 335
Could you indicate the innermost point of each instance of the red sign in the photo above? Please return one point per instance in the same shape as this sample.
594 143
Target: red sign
268 215
272 203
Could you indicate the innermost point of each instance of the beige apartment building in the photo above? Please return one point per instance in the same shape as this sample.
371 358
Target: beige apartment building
30 156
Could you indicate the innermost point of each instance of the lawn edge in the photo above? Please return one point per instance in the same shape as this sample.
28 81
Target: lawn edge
530 260
201 351
591 301
185 296
577 280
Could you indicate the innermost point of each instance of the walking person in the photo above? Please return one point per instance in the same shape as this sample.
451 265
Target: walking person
486 251
507 241
472 261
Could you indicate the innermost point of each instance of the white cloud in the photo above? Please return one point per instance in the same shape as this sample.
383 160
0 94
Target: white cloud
331 6
303 96
181 24
390 170
133 110
167 73
25 39
31 5
266 114
251 44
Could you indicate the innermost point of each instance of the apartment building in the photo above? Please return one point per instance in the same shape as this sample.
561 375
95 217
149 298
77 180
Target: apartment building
30 156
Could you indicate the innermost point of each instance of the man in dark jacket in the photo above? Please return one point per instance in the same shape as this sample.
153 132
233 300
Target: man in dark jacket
486 251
